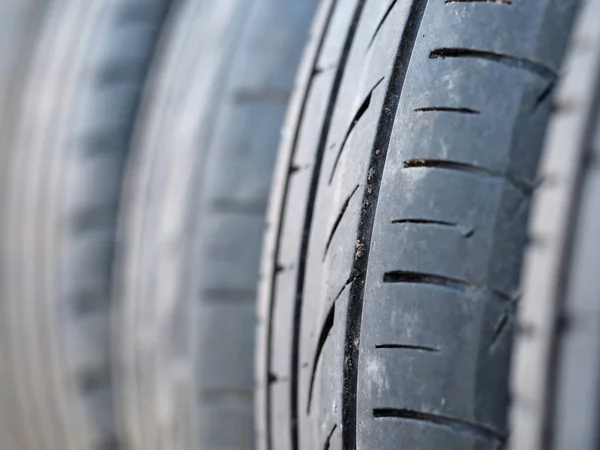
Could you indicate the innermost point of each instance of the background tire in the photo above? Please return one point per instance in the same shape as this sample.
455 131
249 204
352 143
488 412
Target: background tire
60 192
19 25
398 221
193 218
557 359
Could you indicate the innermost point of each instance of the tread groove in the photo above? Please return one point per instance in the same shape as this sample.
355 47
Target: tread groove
423 348
336 224
499 329
501 58
495 2
503 322
303 107
381 22
348 282
307 225
447 109
525 187
546 93
403 276
378 157
455 424
466 231
327 444
357 116
323 335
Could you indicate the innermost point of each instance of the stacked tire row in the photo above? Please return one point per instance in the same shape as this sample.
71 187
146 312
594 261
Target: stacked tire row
403 300
137 153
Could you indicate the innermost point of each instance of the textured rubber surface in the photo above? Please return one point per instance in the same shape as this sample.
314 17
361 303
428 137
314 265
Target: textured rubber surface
557 359
59 191
193 219
398 221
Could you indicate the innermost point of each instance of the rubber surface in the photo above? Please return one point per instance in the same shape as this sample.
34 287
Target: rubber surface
398 221
555 381
193 217
60 191
19 24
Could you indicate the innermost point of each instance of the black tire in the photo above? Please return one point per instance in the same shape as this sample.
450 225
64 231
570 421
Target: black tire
60 191
555 381
193 219
398 222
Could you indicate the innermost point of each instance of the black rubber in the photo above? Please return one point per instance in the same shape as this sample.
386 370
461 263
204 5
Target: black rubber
398 221
555 382
194 201
71 118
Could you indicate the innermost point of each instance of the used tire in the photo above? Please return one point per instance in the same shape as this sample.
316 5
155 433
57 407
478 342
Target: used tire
398 221
60 185
193 209
555 381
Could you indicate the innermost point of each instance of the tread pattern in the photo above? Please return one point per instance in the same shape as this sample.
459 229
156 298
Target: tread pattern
421 285
196 193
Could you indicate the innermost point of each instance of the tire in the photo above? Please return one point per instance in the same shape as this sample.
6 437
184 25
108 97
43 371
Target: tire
19 22
194 202
555 381
60 191
398 221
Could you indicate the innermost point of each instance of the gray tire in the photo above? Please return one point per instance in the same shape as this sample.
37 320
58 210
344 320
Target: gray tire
192 221
555 381
398 222
72 116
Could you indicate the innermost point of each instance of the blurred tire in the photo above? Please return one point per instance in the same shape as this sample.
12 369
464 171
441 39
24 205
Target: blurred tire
72 112
192 221
556 375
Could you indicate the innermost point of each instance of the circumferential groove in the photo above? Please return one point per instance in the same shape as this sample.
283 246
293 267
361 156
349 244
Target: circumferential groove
323 335
357 116
448 109
500 58
294 403
378 157
308 218
455 424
